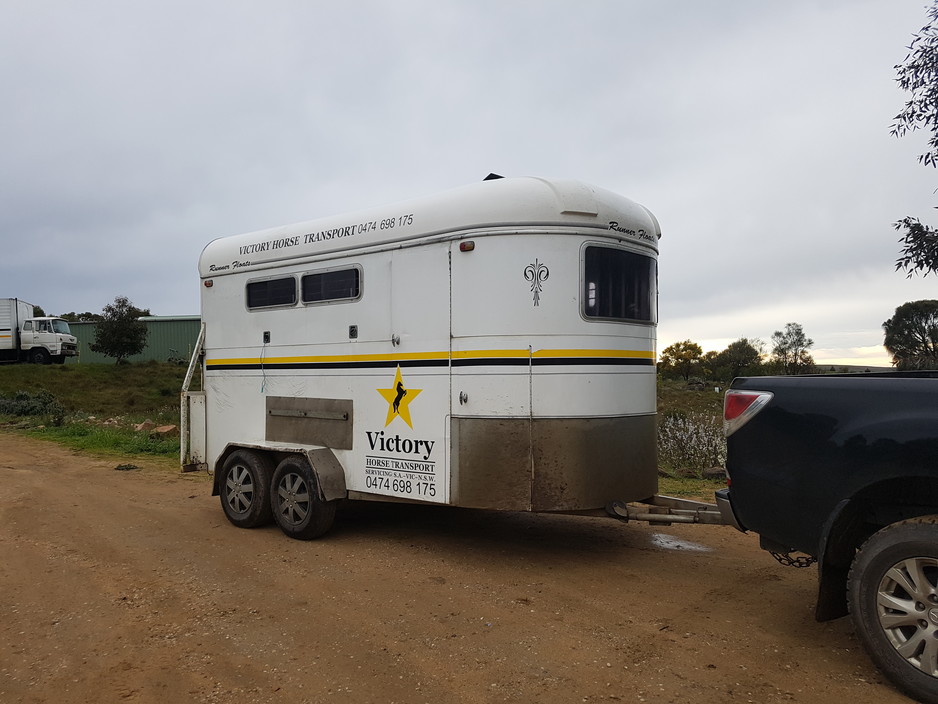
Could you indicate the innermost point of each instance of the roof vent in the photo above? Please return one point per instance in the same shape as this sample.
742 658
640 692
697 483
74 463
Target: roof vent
492 177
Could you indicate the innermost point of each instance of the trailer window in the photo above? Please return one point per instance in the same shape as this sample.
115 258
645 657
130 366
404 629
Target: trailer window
272 292
343 284
619 285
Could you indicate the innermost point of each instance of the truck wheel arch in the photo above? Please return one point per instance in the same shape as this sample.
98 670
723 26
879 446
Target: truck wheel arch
853 521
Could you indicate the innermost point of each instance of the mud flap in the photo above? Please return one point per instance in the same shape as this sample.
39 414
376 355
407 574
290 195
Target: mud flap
329 473
838 545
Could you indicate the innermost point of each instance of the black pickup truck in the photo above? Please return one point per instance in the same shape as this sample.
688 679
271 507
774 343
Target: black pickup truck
843 470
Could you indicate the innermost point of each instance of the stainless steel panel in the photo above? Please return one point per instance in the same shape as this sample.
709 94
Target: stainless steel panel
564 464
326 422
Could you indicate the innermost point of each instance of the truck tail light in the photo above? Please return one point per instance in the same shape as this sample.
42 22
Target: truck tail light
739 407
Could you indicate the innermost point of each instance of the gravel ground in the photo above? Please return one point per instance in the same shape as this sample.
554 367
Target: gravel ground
131 586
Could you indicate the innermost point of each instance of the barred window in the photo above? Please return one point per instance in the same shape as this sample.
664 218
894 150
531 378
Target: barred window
619 285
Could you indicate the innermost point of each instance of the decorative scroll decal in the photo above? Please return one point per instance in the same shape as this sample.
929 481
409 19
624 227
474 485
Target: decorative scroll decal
537 273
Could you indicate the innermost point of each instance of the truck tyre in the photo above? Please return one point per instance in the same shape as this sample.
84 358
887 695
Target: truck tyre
893 596
244 488
40 355
298 506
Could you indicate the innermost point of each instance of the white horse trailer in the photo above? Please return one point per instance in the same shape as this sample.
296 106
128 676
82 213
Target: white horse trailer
491 347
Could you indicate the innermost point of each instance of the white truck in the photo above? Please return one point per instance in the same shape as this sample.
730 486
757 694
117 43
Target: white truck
490 347
27 338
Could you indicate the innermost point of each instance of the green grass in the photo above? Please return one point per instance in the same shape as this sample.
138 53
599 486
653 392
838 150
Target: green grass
686 488
98 404
136 391
674 395
122 440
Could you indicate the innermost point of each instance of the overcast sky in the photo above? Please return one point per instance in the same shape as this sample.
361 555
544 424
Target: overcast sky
757 132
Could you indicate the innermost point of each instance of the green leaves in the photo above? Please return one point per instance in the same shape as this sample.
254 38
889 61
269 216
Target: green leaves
919 247
918 75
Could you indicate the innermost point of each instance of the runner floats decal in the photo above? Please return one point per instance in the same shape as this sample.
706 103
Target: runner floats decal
397 464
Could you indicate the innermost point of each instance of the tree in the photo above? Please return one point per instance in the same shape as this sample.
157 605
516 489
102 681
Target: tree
739 356
74 317
790 350
918 75
120 333
681 358
709 366
912 335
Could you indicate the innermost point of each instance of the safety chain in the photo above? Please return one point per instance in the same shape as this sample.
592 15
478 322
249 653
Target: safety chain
796 561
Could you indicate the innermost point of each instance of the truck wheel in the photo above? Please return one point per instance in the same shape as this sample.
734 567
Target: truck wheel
893 596
40 355
298 507
244 488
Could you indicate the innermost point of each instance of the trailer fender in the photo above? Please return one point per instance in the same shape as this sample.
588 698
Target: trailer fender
325 465
328 472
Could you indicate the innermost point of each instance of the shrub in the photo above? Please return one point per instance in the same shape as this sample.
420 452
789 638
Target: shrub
689 443
40 403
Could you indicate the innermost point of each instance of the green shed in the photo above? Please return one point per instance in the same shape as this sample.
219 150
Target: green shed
170 338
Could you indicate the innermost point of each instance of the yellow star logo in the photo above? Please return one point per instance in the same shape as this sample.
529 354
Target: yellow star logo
399 399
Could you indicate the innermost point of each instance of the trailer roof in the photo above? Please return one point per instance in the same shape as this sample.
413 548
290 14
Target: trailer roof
507 202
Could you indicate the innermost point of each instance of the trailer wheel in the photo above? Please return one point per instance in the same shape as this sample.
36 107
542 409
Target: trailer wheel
40 355
893 596
298 506
244 488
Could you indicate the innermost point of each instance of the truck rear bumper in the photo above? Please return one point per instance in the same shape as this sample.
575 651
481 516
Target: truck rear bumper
726 509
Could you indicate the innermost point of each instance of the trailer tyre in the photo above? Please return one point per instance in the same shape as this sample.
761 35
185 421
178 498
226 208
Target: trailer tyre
244 488
893 597
298 506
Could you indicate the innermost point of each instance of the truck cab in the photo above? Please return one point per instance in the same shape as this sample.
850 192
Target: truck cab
27 337
47 340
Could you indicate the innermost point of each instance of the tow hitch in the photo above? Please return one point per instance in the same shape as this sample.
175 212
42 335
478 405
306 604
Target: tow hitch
665 510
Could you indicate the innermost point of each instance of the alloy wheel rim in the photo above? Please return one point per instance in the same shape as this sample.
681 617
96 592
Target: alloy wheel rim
239 489
293 499
907 607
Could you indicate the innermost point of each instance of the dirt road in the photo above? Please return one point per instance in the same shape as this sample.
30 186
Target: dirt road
131 586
